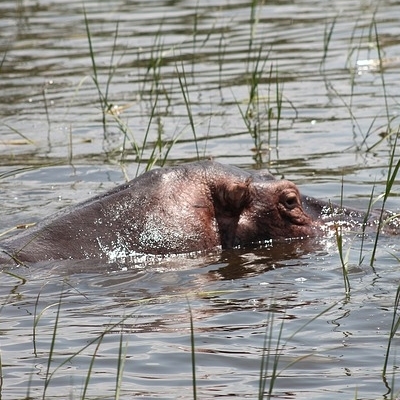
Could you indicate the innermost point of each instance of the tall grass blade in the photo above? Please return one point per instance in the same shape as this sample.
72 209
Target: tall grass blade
393 329
253 28
382 75
91 53
52 346
327 39
279 100
46 109
121 364
185 93
89 372
19 133
152 159
365 224
193 353
278 352
1 377
391 176
343 259
103 98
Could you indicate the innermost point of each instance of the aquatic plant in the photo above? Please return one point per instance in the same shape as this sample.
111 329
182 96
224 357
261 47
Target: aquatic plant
273 348
52 369
193 353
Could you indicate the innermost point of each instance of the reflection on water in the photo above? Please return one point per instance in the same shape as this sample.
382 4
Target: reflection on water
302 87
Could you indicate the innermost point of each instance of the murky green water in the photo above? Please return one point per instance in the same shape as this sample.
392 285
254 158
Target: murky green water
176 78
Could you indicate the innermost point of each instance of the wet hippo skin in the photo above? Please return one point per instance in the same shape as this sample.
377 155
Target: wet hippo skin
191 207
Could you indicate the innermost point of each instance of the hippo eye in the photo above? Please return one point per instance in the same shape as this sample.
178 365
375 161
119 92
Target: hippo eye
290 201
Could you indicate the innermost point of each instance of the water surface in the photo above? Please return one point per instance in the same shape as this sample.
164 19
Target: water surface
176 79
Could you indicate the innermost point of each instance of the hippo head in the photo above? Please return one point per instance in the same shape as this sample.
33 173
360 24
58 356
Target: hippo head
275 212
262 210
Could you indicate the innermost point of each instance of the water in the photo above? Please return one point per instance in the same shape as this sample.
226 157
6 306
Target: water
56 151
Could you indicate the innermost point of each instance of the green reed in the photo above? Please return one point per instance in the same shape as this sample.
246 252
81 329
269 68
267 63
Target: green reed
19 133
273 347
344 259
255 4
267 359
365 225
344 256
262 115
222 47
393 170
104 102
96 342
327 39
393 330
95 77
348 104
1 376
371 35
122 353
252 116
52 346
153 76
356 42
279 101
193 353
389 131
51 370
186 97
382 75
90 368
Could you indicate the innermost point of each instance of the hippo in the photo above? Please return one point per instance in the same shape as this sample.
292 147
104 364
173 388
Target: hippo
188 208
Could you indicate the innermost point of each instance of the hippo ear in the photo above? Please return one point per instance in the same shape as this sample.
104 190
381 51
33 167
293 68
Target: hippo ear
232 197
